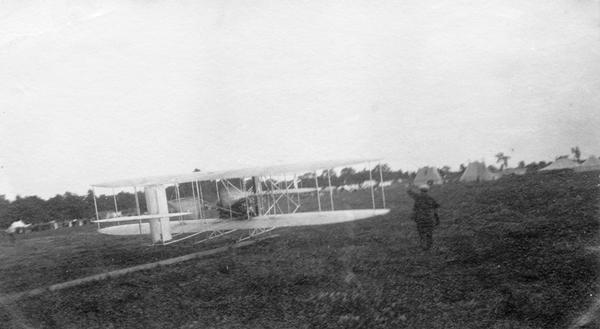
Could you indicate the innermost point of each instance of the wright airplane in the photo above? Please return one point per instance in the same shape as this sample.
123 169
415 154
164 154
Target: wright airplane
255 205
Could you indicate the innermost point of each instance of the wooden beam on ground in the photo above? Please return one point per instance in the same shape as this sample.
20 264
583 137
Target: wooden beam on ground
117 273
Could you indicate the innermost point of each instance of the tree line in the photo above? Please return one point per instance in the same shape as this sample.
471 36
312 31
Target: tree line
34 210
67 206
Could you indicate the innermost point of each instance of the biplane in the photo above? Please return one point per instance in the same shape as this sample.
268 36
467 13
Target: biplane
256 200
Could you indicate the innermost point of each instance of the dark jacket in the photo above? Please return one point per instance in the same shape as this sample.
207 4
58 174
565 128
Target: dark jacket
424 209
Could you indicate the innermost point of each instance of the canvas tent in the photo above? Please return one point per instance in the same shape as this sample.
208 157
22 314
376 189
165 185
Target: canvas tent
368 184
386 183
477 172
329 188
591 164
350 187
560 164
428 175
16 225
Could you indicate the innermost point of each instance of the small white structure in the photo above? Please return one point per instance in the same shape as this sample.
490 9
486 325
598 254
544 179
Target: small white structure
15 225
368 184
350 187
387 183
329 188
113 214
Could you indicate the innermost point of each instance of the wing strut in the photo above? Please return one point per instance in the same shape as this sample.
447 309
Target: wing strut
95 205
317 187
216 234
381 184
330 189
137 207
199 188
371 183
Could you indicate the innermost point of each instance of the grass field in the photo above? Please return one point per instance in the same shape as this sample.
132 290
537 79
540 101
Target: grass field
508 254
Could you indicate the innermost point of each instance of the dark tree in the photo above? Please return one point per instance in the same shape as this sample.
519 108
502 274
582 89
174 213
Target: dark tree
4 205
576 153
445 170
362 176
56 207
386 172
501 158
30 209
324 178
307 179
347 175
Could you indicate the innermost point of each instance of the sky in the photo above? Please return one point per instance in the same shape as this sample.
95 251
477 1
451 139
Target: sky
93 91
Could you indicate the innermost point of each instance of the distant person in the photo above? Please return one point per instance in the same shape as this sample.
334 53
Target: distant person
425 214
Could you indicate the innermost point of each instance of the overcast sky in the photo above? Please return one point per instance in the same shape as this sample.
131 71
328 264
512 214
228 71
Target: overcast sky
99 90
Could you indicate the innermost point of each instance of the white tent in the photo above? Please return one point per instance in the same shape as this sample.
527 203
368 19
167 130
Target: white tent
560 164
591 164
368 184
351 187
386 183
477 172
426 175
15 225
329 188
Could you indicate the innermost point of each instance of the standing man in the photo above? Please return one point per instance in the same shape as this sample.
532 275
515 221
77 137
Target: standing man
425 214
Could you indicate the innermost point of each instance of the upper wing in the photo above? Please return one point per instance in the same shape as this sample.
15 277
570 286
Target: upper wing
235 173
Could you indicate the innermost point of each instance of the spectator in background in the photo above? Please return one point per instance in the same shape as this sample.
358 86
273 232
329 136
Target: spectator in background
424 214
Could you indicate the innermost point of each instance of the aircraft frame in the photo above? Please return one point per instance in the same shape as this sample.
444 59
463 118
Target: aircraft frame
266 192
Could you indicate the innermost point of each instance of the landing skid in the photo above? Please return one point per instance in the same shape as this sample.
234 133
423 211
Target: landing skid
211 236
181 239
256 232
215 234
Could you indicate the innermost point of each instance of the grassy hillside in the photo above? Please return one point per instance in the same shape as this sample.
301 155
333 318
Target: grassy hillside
508 254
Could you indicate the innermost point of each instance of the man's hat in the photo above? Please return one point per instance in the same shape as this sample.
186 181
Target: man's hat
424 187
